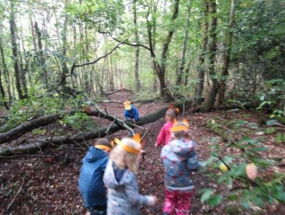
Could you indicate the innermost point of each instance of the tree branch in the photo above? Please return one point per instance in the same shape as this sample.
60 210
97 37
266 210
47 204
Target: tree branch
96 60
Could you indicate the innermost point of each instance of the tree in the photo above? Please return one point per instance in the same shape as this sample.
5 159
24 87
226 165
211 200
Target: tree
212 48
138 85
201 65
16 57
226 55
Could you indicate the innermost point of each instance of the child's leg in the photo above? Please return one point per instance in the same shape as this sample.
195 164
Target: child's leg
97 210
169 203
183 203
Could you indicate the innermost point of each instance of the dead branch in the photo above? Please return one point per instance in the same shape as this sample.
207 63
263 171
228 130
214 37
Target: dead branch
27 127
143 101
96 60
115 91
84 136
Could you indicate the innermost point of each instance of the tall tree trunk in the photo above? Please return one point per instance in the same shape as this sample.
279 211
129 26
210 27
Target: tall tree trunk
2 92
187 73
212 47
64 49
24 64
164 91
153 28
201 70
185 43
15 52
226 55
5 70
41 55
33 33
137 78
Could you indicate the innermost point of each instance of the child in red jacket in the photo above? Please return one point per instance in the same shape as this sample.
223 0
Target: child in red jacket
164 135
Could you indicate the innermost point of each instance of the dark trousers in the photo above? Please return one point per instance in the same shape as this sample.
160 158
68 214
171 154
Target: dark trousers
98 210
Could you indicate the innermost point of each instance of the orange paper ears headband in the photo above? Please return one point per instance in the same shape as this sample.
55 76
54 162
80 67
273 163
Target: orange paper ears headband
180 126
126 147
103 147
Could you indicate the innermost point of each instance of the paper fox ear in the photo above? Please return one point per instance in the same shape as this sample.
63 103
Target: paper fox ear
185 121
137 137
113 143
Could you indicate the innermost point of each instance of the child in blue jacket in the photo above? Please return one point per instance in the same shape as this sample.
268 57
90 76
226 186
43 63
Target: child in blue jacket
179 160
131 112
91 184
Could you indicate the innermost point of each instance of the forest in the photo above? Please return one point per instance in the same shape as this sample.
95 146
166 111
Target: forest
67 67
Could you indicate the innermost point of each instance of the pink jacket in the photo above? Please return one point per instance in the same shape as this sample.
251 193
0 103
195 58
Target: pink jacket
164 135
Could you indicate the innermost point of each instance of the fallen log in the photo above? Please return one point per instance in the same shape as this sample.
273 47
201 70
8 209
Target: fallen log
115 91
28 126
143 101
84 136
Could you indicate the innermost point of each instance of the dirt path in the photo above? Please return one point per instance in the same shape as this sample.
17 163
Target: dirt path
48 180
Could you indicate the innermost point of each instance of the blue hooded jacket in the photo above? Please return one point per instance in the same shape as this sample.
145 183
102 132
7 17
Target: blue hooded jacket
132 114
91 184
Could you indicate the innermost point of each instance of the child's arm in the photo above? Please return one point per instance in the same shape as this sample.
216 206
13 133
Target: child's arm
160 138
136 112
192 163
126 115
135 198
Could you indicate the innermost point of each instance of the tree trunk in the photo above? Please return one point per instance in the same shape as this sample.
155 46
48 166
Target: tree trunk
226 55
41 54
24 64
212 47
201 70
185 43
5 71
15 52
64 50
137 55
164 91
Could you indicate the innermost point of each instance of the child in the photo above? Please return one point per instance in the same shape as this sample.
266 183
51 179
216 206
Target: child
131 112
120 179
164 135
179 159
91 183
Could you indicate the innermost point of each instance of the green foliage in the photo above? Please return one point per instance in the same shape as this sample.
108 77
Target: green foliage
273 97
268 187
79 121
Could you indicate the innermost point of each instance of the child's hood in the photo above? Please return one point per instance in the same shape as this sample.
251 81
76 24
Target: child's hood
94 154
183 148
114 177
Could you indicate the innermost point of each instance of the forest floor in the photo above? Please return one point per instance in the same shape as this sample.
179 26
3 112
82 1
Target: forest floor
46 182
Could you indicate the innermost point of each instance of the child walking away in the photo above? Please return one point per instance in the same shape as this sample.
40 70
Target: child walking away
164 135
179 160
120 179
131 112
91 184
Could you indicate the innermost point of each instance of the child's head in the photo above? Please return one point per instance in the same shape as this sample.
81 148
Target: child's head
103 144
126 153
180 130
170 115
127 105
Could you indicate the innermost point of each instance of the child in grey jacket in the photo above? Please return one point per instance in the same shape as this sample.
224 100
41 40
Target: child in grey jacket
179 160
120 179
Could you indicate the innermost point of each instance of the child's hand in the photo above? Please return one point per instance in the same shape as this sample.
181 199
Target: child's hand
152 200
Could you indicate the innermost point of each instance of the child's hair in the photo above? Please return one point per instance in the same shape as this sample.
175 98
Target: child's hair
171 114
180 129
103 144
123 158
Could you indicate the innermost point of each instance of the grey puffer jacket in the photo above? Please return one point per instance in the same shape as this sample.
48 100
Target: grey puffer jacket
123 195
179 160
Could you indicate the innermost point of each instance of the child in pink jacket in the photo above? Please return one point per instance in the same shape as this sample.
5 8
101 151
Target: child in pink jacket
164 135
